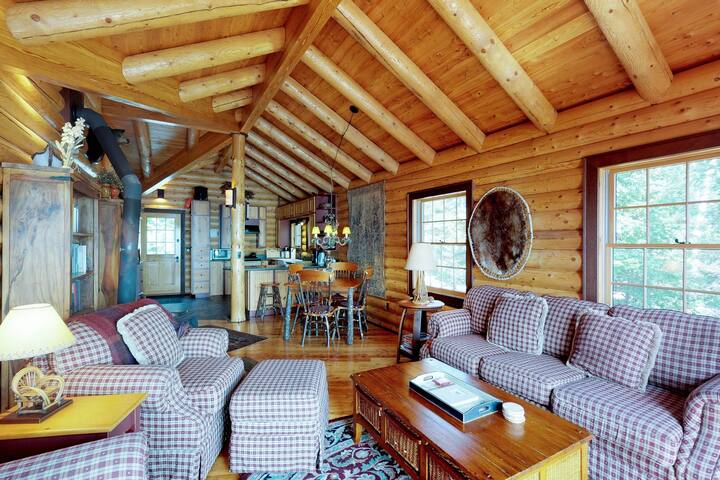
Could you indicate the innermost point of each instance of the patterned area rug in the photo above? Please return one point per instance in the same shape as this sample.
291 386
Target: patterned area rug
344 460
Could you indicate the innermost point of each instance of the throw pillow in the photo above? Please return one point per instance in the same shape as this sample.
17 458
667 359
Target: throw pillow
517 323
615 348
150 336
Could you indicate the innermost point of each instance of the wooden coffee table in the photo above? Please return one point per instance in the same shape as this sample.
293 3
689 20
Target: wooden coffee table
430 444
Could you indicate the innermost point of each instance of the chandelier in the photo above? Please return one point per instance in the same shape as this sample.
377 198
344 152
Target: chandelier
331 238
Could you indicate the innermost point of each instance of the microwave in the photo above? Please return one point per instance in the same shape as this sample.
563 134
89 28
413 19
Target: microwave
220 254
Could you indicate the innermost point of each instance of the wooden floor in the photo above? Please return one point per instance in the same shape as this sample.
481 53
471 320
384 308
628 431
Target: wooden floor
341 360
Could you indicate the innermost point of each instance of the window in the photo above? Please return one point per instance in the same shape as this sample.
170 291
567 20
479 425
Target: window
662 237
439 217
160 235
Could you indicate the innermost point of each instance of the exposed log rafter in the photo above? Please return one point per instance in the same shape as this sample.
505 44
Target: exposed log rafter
222 83
473 30
375 41
280 170
232 100
273 177
629 35
191 137
128 112
223 160
268 185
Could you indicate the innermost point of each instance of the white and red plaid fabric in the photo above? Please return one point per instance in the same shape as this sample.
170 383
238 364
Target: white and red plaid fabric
647 425
562 315
517 323
150 336
690 348
464 352
279 415
89 349
205 342
615 462
481 302
123 458
532 377
615 349
209 381
699 455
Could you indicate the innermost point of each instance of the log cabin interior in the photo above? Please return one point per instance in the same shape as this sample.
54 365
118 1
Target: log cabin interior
465 238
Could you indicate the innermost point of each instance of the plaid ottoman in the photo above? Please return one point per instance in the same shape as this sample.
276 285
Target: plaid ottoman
278 415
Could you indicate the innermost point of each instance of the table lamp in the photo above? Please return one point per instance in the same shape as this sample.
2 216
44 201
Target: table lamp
28 331
420 260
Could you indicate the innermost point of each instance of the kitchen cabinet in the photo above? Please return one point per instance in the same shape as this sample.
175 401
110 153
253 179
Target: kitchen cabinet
200 251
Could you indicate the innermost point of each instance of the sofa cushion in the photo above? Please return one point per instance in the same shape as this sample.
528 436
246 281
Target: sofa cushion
689 350
646 424
615 348
150 336
562 315
209 381
464 352
517 323
481 301
532 377
89 349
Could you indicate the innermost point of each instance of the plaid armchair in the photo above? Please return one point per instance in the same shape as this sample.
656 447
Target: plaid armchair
118 457
184 413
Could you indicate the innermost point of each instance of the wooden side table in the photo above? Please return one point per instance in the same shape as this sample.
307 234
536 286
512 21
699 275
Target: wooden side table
84 420
418 336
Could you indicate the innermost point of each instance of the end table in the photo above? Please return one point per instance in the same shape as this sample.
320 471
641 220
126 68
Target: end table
84 420
412 349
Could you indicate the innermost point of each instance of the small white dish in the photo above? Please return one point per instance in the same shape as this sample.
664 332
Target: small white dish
513 412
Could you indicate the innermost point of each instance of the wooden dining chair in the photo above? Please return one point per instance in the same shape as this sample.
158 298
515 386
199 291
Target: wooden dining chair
343 270
315 289
294 270
360 304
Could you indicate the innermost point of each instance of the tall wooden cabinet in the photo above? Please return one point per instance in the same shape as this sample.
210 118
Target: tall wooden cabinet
200 252
109 228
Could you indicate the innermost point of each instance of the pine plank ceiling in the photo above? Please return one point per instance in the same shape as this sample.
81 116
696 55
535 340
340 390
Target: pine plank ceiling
557 42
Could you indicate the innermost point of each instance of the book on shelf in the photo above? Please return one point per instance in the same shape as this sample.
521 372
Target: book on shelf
78 259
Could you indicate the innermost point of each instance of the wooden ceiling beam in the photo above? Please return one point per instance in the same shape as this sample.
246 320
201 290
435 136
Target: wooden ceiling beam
284 172
128 112
302 26
144 146
349 88
286 142
34 97
288 161
467 23
304 130
626 30
328 116
196 56
375 41
185 160
273 177
67 20
191 137
232 100
222 82
268 185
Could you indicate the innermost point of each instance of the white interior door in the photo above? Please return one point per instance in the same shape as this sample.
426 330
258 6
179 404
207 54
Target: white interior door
161 251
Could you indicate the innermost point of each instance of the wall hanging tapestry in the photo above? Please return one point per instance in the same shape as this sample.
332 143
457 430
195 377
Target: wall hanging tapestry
366 206
500 233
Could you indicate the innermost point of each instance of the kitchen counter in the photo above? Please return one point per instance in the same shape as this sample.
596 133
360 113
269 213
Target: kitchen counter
271 268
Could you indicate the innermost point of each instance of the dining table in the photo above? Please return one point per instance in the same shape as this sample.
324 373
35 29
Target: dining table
342 285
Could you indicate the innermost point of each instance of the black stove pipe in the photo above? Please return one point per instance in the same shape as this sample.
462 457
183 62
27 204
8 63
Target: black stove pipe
132 192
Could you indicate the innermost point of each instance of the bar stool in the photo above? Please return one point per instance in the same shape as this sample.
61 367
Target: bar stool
271 291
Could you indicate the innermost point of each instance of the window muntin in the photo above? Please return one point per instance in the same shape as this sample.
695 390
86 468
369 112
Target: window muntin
664 236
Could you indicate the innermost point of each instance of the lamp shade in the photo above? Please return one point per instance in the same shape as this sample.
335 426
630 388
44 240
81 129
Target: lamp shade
316 230
421 257
31 330
346 231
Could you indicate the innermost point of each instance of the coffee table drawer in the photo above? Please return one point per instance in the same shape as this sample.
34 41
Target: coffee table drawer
404 442
438 468
369 410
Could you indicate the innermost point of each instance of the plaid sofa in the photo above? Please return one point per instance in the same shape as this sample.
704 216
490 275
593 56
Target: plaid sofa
184 413
669 432
122 457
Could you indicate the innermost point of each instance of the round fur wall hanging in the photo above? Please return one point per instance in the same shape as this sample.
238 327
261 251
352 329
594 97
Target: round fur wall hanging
500 233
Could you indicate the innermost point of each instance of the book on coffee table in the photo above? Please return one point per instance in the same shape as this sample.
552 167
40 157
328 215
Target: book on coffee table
459 399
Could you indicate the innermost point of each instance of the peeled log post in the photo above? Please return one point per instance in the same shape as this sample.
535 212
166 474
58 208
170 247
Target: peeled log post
377 43
328 116
222 83
314 137
285 141
629 35
476 34
237 257
196 56
232 100
144 146
344 83
289 161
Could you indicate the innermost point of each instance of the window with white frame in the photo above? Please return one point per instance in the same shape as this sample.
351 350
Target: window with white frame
662 237
442 221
